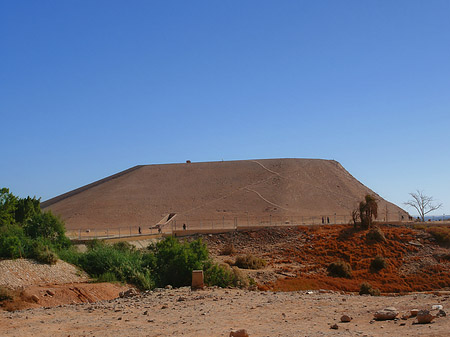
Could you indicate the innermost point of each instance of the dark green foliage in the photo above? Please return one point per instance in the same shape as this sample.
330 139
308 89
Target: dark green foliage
126 265
13 242
366 289
26 231
375 235
175 261
340 269
8 205
377 264
249 262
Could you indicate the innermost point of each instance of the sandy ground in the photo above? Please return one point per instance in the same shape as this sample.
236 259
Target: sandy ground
215 312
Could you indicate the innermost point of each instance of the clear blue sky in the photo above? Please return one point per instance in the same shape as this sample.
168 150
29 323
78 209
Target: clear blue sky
90 88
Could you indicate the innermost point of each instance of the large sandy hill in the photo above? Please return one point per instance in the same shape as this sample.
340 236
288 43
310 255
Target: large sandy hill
281 188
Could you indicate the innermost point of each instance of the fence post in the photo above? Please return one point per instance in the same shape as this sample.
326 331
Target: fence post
79 234
119 232
223 221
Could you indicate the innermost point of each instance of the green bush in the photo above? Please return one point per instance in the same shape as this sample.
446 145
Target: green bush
175 261
366 289
27 232
124 246
249 262
102 260
218 275
13 242
377 264
225 276
375 234
340 269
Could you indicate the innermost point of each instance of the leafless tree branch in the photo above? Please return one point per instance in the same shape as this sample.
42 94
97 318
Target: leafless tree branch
422 203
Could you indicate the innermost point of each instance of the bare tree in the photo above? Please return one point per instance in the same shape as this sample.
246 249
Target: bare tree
422 203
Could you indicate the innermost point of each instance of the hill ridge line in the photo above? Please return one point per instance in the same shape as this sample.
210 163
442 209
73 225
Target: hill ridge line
69 194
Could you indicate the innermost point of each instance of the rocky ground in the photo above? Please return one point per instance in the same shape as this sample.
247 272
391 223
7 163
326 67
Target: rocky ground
217 312
297 257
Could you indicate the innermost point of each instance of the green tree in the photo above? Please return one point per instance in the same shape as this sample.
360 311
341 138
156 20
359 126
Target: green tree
8 205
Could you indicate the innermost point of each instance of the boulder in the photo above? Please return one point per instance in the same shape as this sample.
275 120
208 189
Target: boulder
424 317
345 318
414 312
386 314
239 333
128 293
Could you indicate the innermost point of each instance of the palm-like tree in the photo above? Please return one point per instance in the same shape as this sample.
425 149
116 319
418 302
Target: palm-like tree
368 210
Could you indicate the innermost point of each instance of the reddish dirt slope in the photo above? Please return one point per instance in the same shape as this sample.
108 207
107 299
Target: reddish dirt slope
282 188
415 262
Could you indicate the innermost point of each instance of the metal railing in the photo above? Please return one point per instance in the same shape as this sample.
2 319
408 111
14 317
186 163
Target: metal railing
225 223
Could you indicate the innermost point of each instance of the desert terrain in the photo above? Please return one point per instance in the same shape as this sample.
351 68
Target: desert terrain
294 295
217 312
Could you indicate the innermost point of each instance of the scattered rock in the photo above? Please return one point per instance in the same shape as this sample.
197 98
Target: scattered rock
386 314
181 299
50 292
345 318
441 313
334 326
128 293
35 298
239 333
437 307
414 312
424 317
169 287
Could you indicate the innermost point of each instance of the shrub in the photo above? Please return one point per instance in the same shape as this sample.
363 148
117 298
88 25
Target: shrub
366 289
13 242
43 254
249 262
225 276
102 261
377 264
228 250
107 277
5 294
218 275
175 261
375 234
124 246
440 234
340 269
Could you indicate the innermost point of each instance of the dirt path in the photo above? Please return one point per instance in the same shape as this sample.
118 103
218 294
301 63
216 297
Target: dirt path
215 312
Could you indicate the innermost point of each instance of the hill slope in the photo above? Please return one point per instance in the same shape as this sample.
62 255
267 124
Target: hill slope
282 188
